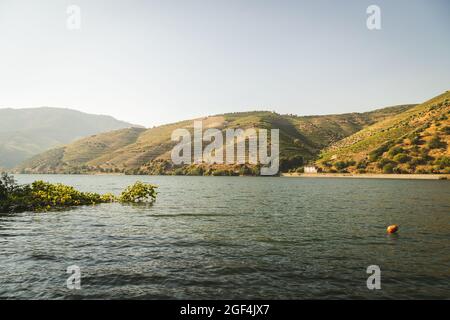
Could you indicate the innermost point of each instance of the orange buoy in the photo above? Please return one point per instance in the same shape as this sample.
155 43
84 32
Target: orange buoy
392 228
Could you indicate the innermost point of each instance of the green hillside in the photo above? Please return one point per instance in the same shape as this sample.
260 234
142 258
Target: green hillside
27 132
414 141
147 151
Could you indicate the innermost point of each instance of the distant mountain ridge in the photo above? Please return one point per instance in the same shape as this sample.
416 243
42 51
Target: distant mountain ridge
147 151
29 131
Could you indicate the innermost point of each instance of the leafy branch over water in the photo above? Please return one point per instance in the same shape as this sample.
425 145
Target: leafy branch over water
44 196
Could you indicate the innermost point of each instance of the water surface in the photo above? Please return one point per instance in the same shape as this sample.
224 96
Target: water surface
234 237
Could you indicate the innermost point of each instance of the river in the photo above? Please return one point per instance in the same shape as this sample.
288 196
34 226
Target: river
234 238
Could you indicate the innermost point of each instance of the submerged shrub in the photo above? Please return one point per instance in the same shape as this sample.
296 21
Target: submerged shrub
46 195
7 185
43 196
138 193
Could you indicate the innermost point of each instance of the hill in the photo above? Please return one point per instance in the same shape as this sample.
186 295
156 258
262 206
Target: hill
27 132
414 141
147 151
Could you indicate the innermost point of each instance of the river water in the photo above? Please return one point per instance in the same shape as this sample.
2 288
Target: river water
234 238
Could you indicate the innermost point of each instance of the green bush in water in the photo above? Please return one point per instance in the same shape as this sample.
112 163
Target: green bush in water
44 196
138 193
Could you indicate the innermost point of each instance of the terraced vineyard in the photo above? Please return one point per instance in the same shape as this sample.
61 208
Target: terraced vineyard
147 151
414 141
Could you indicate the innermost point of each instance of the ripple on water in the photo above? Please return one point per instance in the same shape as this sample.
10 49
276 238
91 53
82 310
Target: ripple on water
216 237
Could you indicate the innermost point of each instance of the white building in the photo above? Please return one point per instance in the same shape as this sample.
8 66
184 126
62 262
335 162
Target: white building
310 169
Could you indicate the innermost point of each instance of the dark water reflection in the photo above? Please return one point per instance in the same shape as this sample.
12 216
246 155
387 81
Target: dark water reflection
233 237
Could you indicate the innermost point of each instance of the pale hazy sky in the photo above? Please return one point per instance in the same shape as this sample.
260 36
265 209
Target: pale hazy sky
154 62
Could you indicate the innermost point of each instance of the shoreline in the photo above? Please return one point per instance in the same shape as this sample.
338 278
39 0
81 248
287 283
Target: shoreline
369 176
405 176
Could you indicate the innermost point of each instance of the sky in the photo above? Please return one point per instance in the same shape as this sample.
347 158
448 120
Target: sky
156 62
